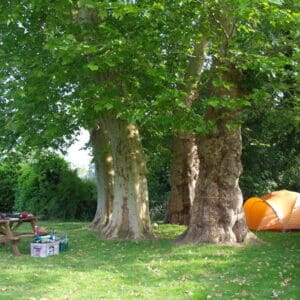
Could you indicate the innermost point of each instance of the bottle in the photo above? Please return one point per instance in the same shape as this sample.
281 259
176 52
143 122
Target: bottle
52 235
36 230
37 238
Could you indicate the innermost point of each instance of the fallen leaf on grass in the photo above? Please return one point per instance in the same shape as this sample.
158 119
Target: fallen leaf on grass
154 270
275 294
186 277
285 282
189 293
239 281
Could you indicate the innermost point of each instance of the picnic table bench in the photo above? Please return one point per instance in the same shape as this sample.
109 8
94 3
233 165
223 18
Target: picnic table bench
8 233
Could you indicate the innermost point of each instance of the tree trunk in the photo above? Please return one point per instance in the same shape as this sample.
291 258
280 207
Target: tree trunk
185 164
104 176
185 167
217 215
130 217
121 178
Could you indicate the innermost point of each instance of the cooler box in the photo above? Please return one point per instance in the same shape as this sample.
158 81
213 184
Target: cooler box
63 244
62 238
44 249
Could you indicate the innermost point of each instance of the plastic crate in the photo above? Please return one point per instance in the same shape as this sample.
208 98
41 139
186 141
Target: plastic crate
44 249
63 244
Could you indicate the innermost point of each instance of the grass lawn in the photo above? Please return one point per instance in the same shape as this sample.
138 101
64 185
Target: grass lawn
153 269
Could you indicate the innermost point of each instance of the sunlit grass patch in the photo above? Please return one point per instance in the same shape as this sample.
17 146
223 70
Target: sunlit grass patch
153 269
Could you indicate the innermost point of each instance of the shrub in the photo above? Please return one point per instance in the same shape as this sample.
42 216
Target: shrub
27 189
48 188
8 182
159 192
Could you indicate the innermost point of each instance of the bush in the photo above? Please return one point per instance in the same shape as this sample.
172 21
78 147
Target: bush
268 169
159 193
48 188
78 196
8 182
27 194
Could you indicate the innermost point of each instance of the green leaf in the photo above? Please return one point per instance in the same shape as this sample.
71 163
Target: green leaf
158 5
86 3
93 67
214 102
278 2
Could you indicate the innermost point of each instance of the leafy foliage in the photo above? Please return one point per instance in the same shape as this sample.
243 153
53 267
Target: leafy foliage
65 63
61 69
8 182
271 125
48 188
158 151
271 151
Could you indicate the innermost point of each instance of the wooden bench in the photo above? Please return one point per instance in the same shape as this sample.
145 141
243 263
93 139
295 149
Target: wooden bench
9 235
14 240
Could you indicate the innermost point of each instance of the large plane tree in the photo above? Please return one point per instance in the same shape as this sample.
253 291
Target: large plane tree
246 41
99 65
110 66
72 64
103 66
247 56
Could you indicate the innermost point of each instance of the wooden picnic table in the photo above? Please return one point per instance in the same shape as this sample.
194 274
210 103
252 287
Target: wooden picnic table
8 233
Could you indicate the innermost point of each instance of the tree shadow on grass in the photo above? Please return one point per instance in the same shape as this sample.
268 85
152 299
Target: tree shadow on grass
157 269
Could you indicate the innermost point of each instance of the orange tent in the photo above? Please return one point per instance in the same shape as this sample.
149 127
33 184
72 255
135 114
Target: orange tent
278 210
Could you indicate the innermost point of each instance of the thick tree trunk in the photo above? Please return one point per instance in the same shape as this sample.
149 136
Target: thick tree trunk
185 164
217 215
185 167
104 176
130 214
121 178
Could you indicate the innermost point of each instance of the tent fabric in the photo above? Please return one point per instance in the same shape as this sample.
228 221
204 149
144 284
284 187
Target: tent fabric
279 210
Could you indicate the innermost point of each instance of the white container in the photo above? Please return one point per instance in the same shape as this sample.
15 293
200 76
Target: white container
44 249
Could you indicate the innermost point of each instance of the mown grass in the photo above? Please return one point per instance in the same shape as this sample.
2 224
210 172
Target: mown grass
153 269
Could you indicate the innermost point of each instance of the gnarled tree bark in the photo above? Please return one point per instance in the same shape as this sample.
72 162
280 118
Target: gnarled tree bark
185 167
217 214
185 163
120 165
130 217
104 174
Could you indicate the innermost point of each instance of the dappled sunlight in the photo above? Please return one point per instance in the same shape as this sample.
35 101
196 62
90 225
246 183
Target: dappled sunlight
153 269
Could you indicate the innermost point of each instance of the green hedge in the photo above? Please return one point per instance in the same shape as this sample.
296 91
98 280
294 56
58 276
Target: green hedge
8 181
48 188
